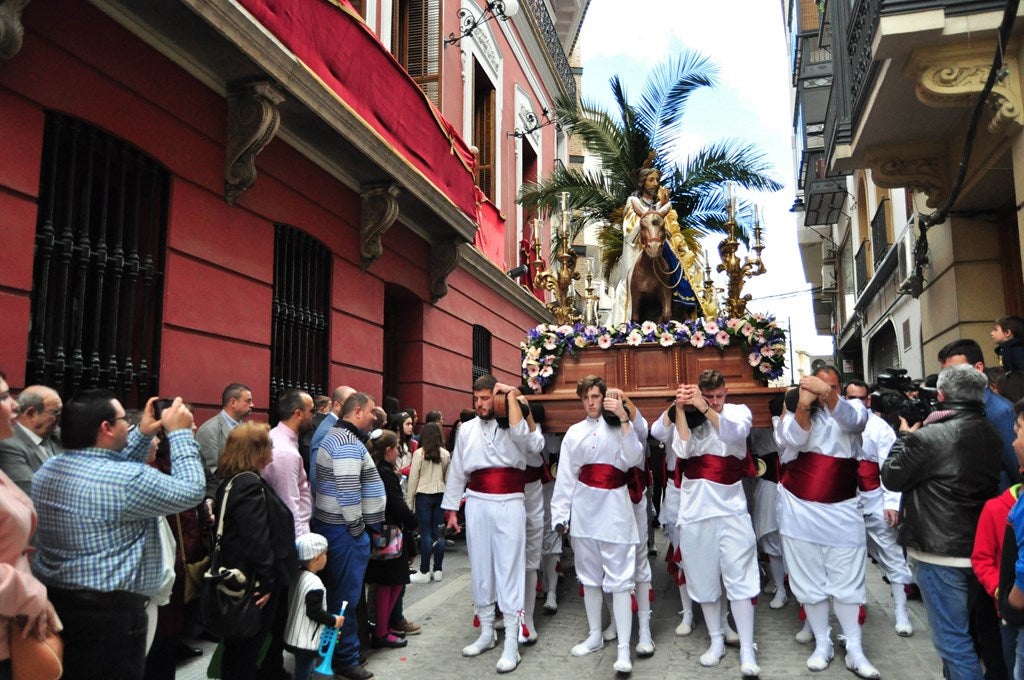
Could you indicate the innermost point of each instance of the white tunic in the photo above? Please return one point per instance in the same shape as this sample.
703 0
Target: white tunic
877 441
836 434
701 499
765 513
600 514
482 444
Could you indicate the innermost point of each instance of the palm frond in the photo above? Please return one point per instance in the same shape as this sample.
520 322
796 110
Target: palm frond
729 160
666 92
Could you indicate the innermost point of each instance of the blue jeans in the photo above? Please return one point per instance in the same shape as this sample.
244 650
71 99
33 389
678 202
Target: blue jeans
347 557
429 515
305 662
1013 648
946 592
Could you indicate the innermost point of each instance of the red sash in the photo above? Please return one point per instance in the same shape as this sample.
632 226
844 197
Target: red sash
868 478
677 474
821 479
718 469
602 476
496 480
772 470
541 473
638 481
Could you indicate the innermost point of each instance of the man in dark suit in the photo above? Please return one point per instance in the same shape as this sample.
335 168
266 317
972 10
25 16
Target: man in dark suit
211 436
34 440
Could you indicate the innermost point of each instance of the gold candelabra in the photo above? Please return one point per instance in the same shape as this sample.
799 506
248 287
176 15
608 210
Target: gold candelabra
558 282
737 268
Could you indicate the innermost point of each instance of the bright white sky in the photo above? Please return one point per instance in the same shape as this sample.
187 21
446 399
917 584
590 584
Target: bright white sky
752 102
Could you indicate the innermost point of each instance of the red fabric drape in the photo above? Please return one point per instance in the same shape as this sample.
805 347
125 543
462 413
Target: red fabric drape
339 49
868 475
718 469
490 233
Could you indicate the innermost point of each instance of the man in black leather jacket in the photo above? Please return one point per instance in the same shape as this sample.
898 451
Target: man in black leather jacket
946 470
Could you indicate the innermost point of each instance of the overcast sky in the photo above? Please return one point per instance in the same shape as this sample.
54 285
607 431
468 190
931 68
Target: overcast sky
752 102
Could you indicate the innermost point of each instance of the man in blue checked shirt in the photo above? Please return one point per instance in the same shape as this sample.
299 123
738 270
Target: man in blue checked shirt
98 537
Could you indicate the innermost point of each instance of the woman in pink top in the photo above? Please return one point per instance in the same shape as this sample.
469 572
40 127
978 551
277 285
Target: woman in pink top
21 595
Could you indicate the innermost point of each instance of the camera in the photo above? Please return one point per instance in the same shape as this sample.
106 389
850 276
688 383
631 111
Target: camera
159 406
891 398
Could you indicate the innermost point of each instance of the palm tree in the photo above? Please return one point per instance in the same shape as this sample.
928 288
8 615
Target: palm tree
648 131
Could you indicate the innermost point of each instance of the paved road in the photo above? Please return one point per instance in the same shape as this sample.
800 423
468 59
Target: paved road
445 611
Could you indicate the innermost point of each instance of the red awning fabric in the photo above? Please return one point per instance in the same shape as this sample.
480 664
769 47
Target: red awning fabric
490 232
333 42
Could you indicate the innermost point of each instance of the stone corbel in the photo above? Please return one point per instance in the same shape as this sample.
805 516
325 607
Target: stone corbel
253 119
444 258
919 167
11 31
379 212
951 76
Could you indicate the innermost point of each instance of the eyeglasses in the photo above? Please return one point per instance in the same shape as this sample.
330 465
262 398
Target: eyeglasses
376 434
114 420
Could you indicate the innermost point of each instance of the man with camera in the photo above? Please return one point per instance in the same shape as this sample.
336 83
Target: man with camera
881 506
100 507
946 469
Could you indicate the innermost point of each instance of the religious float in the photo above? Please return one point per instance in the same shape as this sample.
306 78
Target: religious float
649 359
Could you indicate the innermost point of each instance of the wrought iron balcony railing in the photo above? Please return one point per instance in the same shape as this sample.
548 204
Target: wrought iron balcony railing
554 45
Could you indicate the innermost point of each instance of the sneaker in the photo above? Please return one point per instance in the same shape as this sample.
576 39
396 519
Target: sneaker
685 626
779 601
438 575
419 577
449 543
408 627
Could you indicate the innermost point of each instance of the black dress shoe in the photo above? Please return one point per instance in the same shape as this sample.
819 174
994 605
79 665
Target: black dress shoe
377 642
353 673
186 652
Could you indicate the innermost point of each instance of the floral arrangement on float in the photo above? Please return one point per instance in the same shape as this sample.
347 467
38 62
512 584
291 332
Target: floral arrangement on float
758 334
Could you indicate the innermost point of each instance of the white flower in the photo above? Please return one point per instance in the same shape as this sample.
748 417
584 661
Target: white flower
754 359
550 343
579 341
710 326
546 372
666 339
634 338
532 370
533 353
722 338
648 327
766 367
697 339
534 384
604 341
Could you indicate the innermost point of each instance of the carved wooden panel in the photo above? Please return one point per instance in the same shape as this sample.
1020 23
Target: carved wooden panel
650 368
732 363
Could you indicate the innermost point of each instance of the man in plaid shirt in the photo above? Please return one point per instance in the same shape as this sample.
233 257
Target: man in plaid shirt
100 507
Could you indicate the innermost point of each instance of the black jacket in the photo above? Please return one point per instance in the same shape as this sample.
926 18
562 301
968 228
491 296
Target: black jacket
259 533
946 471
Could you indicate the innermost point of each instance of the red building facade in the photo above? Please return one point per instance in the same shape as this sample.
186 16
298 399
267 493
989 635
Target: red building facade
342 261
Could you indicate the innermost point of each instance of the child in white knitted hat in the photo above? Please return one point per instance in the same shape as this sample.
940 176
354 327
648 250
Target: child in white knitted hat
307 606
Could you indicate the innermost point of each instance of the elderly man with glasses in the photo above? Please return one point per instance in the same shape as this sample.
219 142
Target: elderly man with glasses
35 438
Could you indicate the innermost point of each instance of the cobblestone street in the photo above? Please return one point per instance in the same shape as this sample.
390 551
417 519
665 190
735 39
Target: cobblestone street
445 611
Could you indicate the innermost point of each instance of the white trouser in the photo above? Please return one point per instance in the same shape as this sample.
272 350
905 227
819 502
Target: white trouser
771 544
717 550
884 547
496 542
643 565
817 571
534 498
609 566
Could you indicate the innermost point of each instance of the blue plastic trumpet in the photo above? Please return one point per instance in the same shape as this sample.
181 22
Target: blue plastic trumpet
329 638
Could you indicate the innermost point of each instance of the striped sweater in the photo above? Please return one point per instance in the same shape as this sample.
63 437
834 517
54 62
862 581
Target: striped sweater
348 486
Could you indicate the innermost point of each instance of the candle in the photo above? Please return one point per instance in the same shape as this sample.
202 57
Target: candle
564 200
538 235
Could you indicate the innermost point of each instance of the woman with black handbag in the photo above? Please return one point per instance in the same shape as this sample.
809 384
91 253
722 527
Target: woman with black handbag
258 539
389 571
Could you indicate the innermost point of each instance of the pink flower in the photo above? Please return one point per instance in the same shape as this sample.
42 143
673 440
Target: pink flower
648 327
722 338
747 329
549 360
733 323
604 341
697 339
534 384
766 367
754 359
710 326
532 370
634 338
550 342
564 329
666 339
546 372
579 341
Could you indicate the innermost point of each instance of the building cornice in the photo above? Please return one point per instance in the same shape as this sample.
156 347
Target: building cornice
485 271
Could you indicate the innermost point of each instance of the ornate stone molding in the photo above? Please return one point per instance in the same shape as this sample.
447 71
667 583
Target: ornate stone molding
253 119
380 210
955 76
919 167
11 30
444 257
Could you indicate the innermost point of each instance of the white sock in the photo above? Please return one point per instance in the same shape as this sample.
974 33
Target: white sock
511 650
643 611
530 601
549 571
743 614
847 614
